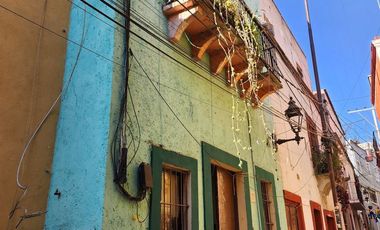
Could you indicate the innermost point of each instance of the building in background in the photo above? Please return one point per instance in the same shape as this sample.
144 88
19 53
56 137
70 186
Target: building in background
339 160
307 187
353 208
32 62
365 164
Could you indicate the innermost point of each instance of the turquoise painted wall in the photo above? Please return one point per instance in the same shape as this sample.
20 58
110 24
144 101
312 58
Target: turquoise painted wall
81 150
82 169
202 104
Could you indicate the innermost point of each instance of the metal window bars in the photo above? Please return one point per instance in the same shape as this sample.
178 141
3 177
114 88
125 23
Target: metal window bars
174 199
266 205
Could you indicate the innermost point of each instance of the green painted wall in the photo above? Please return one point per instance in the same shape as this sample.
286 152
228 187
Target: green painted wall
202 103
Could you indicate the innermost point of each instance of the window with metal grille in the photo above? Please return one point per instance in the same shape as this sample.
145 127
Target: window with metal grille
267 205
312 133
292 215
175 203
316 213
294 211
372 196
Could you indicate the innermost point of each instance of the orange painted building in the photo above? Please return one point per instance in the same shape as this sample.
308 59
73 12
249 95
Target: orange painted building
375 74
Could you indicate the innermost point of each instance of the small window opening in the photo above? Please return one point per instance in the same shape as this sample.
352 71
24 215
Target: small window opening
292 215
175 205
312 133
372 195
318 219
299 70
267 205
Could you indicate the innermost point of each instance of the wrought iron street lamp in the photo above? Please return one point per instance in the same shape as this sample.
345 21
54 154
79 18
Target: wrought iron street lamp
294 117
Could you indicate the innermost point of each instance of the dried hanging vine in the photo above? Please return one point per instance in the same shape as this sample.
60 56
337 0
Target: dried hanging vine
237 19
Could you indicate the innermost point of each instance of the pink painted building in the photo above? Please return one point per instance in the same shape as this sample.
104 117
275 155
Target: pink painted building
305 174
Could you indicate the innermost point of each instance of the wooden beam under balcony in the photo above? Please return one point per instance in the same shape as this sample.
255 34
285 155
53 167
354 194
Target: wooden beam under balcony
202 41
240 72
179 21
265 88
206 35
218 61
239 76
267 84
177 7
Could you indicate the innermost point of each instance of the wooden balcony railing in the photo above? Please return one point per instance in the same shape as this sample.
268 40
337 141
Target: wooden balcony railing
204 25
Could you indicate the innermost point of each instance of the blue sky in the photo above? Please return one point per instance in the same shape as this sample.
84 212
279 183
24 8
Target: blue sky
343 30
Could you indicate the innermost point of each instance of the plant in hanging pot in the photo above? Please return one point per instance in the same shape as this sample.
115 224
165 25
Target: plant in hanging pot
320 162
343 196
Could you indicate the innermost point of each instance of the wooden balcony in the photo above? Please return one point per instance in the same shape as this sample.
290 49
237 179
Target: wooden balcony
204 27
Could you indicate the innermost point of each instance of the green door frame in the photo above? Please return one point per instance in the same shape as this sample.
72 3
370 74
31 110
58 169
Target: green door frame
210 153
263 175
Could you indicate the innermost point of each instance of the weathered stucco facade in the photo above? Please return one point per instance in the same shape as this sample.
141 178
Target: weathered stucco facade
169 106
368 175
182 112
33 47
313 190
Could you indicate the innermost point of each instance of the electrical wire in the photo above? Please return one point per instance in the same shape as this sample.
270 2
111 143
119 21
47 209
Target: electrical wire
299 158
320 133
36 69
308 180
138 125
358 135
297 88
188 130
165 39
35 73
47 114
164 100
364 65
144 27
357 170
306 183
72 41
345 139
198 66
119 156
103 55
147 212
289 87
44 118
280 74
